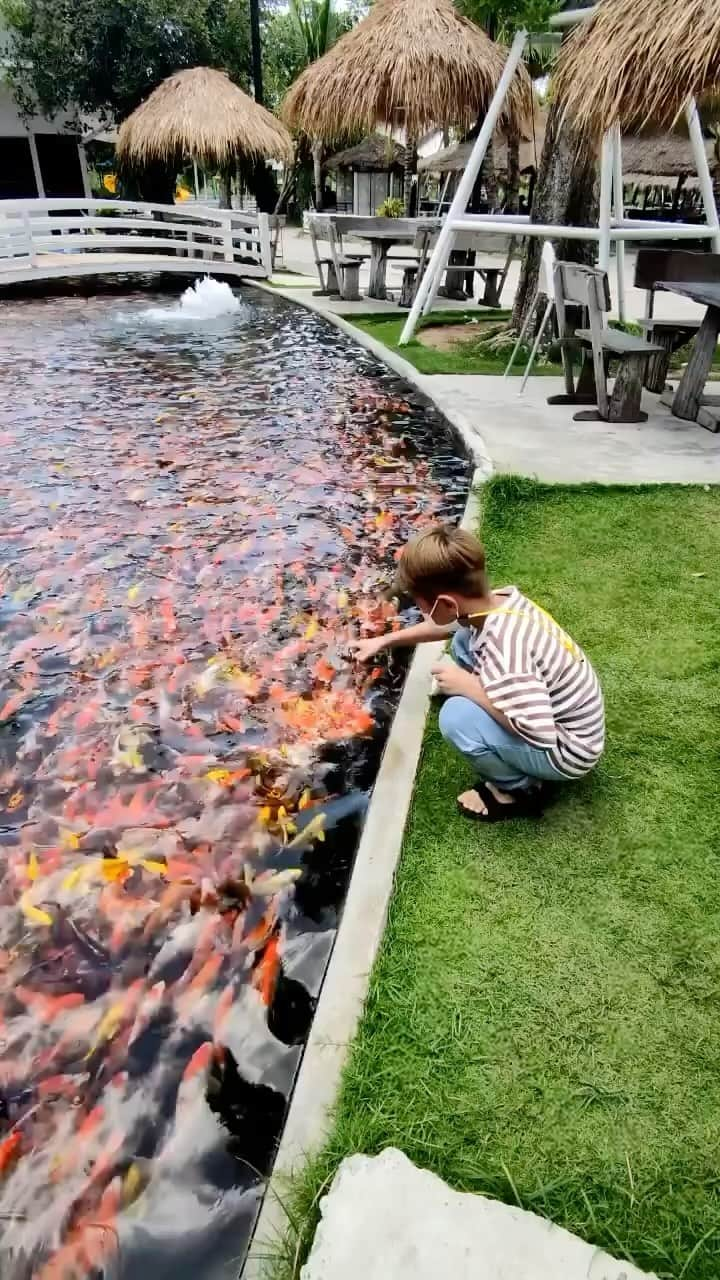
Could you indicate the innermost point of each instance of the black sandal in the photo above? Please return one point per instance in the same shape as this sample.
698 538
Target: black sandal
527 803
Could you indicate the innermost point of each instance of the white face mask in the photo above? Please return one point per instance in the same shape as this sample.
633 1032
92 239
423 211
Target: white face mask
430 618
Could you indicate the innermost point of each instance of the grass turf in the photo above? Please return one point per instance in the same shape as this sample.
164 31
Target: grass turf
543 1021
463 357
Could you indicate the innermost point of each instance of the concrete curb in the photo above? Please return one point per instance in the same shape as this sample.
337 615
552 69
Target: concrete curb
346 983
471 438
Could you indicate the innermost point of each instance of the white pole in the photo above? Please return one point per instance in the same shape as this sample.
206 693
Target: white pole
606 172
619 201
703 172
555 231
36 166
442 250
196 184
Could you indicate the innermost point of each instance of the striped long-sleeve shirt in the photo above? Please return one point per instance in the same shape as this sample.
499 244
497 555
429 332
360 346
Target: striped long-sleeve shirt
541 681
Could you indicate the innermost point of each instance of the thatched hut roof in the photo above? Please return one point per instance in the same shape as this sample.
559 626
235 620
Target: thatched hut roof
454 159
664 155
650 154
637 62
376 153
201 113
410 63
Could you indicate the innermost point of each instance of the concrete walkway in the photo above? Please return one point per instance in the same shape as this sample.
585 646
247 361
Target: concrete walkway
523 433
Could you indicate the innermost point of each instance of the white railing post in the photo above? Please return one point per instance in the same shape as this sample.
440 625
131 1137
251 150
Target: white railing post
265 243
430 282
27 223
227 235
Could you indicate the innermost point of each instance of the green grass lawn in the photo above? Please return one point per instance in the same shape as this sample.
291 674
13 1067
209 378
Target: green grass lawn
543 1024
462 358
468 355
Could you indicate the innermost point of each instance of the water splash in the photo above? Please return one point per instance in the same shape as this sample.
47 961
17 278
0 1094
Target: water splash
207 299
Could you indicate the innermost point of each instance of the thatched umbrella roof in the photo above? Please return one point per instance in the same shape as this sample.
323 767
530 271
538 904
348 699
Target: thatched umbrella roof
413 64
201 113
637 62
374 154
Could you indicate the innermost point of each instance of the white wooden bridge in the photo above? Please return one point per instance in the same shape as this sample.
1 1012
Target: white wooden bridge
51 238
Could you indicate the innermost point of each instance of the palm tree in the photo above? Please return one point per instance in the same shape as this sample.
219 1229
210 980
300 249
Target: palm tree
316 21
256 45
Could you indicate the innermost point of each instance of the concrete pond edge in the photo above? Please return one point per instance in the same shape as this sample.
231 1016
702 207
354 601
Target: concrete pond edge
362 926
364 917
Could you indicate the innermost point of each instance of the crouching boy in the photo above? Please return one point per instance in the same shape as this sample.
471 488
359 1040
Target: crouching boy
523 703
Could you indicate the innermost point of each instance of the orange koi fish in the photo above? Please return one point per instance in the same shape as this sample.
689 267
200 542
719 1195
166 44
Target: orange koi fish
267 971
10 1149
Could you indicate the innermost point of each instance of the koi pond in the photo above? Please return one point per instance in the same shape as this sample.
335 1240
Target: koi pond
198 513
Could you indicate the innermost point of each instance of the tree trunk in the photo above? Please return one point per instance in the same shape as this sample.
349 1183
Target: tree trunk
317 150
409 171
491 185
512 192
566 192
226 189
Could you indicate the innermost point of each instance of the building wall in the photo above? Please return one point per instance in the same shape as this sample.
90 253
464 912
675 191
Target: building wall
37 156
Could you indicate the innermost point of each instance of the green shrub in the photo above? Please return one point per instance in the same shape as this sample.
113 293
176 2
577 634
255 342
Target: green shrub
393 207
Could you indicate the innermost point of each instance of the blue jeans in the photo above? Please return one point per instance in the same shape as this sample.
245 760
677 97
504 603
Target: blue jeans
495 753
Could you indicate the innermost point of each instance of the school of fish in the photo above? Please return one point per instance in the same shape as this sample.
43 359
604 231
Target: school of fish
193 528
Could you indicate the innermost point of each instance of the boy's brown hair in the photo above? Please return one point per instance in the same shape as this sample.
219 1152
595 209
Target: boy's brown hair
443 559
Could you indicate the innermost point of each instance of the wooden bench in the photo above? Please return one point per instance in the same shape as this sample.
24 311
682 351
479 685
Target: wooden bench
342 270
493 277
587 287
678 265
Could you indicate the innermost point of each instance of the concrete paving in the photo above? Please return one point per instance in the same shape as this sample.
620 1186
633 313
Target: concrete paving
383 1218
525 434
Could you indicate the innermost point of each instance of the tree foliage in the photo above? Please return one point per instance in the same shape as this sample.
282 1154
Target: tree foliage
105 56
298 35
502 18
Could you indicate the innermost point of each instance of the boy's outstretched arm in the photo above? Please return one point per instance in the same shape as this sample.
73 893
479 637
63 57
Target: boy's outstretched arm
421 633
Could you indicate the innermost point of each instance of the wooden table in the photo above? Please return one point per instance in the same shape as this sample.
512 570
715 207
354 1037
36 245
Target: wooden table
382 234
690 401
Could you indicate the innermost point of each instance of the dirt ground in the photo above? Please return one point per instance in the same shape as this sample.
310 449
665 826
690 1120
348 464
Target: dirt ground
443 337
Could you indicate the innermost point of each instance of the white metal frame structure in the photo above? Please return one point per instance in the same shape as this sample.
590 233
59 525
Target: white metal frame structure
612 224
45 239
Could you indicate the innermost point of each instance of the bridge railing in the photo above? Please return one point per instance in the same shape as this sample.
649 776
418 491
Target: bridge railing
30 229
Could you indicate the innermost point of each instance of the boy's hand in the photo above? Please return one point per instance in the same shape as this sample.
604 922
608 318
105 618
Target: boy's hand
365 650
455 682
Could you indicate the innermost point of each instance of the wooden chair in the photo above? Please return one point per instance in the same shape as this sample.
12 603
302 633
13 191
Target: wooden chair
342 271
653 265
587 287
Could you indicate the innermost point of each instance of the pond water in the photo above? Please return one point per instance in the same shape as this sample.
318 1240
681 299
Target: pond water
196 517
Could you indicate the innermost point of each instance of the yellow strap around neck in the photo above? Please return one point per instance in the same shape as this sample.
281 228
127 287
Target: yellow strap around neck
563 637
